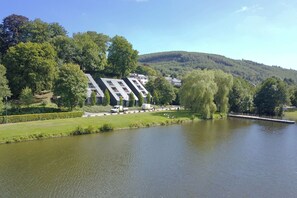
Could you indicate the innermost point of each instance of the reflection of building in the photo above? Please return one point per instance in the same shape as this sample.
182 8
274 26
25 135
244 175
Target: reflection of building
140 77
136 87
174 81
117 88
93 87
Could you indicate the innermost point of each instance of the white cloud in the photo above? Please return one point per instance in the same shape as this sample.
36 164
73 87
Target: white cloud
242 9
253 8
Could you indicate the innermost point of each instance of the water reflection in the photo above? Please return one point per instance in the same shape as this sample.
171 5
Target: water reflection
208 134
221 158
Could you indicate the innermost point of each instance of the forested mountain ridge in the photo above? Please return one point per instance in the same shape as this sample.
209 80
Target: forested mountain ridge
181 62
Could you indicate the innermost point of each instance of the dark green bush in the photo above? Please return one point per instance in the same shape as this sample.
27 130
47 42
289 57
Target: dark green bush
90 130
135 125
78 131
34 117
106 128
32 110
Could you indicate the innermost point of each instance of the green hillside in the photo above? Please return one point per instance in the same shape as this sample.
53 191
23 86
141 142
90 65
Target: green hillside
180 62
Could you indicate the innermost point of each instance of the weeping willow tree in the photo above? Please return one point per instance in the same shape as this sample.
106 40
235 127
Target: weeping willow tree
198 91
224 82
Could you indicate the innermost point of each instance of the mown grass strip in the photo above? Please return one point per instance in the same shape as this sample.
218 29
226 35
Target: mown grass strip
64 127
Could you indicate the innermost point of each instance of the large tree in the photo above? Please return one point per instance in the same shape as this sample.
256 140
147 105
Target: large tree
146 70
101 41
198 91
67 50
88 53
293 97
241 96
30 65
11 31
162 90
270 97
122 58
4 89
70 86
224 83
39 31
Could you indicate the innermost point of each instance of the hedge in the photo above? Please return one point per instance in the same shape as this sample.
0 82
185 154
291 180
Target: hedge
34 117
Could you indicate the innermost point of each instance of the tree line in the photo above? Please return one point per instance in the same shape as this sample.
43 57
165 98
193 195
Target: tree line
208 91
39 56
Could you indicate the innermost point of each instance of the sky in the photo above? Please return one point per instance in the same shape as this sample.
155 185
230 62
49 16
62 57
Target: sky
259 30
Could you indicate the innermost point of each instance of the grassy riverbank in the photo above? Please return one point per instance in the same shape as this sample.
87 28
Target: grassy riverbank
65 127
291 115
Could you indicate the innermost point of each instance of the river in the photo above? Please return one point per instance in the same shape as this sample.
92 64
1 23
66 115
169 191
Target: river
221 158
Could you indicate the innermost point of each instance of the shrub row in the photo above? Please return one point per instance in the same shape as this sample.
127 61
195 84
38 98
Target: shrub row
34 117
32 110
167 122
90 129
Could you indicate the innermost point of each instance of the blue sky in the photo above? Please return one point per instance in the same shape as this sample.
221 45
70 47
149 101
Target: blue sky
260 30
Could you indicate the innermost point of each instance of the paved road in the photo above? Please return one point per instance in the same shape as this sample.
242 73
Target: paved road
88 114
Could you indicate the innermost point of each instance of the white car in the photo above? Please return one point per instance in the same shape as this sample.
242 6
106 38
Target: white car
118 108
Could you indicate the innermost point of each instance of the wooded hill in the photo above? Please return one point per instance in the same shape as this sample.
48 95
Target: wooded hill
181 62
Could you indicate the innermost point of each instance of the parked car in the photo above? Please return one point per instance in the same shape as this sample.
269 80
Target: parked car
118 108
146 106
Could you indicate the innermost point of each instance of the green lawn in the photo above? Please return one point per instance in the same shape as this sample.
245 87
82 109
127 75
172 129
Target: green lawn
54 128
291 115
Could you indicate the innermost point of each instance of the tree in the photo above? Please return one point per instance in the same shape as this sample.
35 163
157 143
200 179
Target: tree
26 96
39 31
224 83
106 100
163 92
71 86
67 50
30 65
121 100
122 58
88 53
241 96
176 101
140 99
270 97
11 31
197 92
131 99
148 98
294 97
93 98
4 89
101 41
146 70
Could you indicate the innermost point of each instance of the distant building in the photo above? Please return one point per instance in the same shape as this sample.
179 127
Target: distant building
136 87
174 81
93 87
117 88
143 79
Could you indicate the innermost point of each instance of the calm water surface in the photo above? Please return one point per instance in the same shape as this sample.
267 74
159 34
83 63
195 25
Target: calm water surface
223 158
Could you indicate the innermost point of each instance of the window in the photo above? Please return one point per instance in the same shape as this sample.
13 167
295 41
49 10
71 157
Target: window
135 81
126 90
139 87
91 85
109 82
114 89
